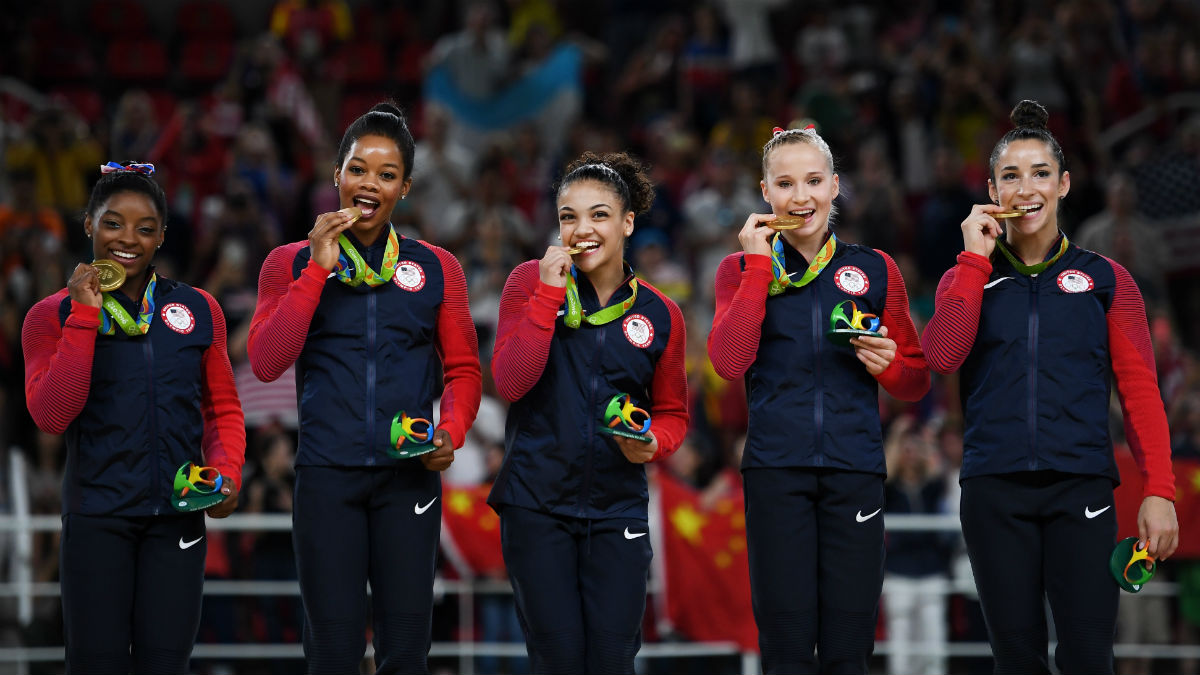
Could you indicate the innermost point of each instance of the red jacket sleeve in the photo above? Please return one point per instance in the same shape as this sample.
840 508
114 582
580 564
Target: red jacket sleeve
907 376
58 361
458 347
1137 387
741 306
224 440
284 311
528 310
950 334
668 389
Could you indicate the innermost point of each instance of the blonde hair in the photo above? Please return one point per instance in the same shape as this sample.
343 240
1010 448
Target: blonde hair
807 135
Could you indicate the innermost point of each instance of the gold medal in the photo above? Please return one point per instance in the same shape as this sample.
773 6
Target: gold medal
354 212
111 273
785 223
1003 215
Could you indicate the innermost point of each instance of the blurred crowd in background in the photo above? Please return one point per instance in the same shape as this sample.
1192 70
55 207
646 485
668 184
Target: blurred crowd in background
240 106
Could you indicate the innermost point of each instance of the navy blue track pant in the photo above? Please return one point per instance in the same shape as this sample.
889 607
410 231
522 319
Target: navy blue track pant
131 591
815 539
351 525
580 588
1030 537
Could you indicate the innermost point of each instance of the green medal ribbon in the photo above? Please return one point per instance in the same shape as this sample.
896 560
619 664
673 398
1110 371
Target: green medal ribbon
575 314
1032 269
783 280
349 257
112 311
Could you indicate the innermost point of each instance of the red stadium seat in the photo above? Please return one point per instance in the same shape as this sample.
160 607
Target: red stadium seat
205 19
85 101
205 60
360 65
66 58
143 60
117 19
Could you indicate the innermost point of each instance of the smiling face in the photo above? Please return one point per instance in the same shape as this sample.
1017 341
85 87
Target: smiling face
126 228
799 182
1028 179
372 178
592 215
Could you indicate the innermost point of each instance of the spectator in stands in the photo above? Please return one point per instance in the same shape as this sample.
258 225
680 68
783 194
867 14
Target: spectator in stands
62 155
916 578
1120 233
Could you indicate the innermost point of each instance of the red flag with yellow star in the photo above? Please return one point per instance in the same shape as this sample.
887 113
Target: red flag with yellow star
707 572
1128 498
473 528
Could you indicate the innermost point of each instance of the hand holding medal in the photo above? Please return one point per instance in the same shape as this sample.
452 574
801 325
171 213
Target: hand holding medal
323 237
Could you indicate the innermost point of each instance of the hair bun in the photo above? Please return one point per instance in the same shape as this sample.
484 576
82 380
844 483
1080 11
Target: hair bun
1029 114
387 107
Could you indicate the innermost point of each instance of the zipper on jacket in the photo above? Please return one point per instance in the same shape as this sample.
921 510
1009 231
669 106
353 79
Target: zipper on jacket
585 493
1032 389
371 355
159 483
818 390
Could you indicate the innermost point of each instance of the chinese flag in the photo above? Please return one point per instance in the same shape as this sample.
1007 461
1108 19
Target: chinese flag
472 528
707 573
1187 501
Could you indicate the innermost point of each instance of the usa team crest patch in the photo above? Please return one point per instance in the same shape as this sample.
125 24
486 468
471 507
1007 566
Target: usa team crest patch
178 318
409 276
638 330
852 280
1075 281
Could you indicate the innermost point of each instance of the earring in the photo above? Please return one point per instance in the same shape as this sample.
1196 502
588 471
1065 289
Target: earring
404 196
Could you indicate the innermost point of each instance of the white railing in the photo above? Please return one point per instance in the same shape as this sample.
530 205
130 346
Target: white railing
21 526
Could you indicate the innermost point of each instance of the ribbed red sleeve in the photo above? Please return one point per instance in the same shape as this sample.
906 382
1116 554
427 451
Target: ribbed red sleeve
950 334
907 376
58 361
458 347
224 442
1137 386
668 389
741 307
284 311
528 310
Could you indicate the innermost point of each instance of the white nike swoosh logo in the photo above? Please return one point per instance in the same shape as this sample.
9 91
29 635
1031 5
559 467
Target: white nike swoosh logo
1089 514
633 535
862 519
993 283
418 509
188 544
561 312
331 275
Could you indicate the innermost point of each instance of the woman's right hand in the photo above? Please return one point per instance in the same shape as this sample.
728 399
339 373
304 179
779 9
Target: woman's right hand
323 237
755 236
84 285
980 230
555 266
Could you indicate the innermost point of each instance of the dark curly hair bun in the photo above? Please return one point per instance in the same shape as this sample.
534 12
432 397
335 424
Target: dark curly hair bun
1029 114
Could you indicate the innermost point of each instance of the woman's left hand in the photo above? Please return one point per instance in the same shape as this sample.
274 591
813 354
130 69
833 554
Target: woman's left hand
1158 527
876 353
440 459
638 452
227 505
